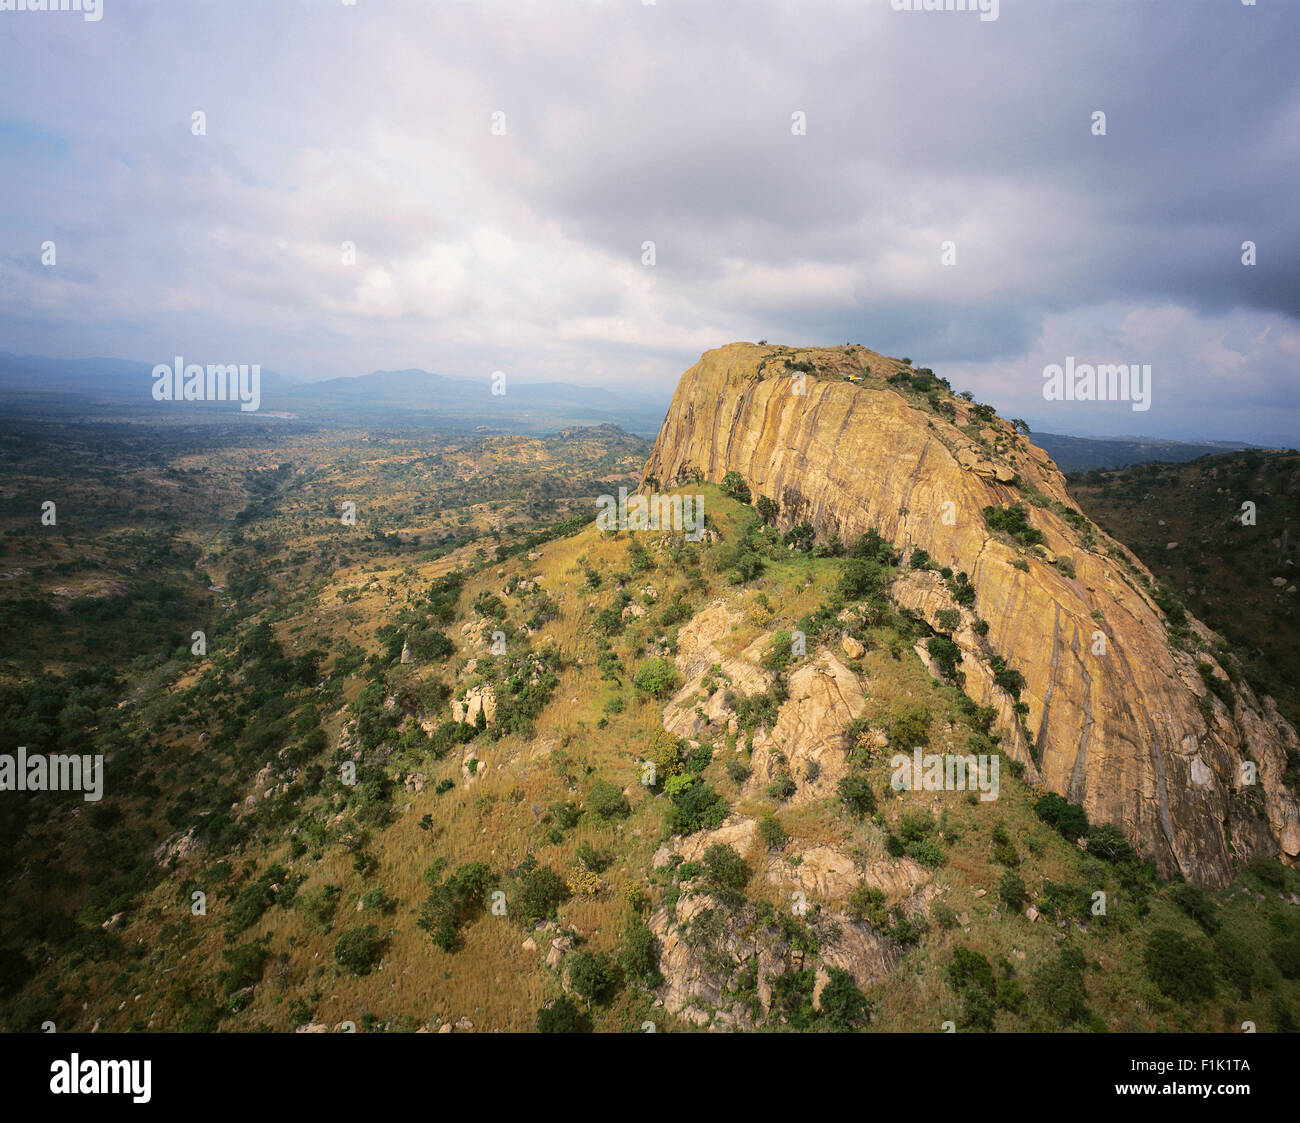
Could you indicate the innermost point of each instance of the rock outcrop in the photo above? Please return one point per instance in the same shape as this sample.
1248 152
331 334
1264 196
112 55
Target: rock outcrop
1120 719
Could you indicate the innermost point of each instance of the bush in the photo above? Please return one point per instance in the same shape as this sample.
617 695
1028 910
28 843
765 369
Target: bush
561 1016
591 975
1197 904
1108 843
1286 954
800 536
1012 890
454 902
844 1007
782 788
1268 870
772 833
860 578
1014 522
1068 818
738 771
639 953
606 800
909 727
969 969
656 677
767 509
1179 967
946 656
695 806
1058 987
358 949
725 873
539 891
734 485
867 902
927 852
855 790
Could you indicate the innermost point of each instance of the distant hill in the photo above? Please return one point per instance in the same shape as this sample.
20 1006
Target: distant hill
1185 522
1083 454
34 385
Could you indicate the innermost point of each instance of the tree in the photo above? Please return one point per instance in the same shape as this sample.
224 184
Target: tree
606 800
767 509
639 953
772 833
855 791
844 1007
591 975
860 577
725 873
358 949
1178 966
656 677
561 1016
734 485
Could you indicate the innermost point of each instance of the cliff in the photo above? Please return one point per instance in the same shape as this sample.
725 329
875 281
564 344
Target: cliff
1121 717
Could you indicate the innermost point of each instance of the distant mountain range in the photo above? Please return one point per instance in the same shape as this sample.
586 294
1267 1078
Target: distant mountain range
32 385
1083 454
38 386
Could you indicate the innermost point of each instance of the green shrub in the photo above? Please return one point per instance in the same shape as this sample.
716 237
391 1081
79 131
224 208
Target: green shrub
734 485
927 852
946 656
695 806
1059 988
606 800
738 771
782 788
538 893
843 1006
1014 522
725 873
1179 967
772 833
656 677
1012 890
454 902
591 974
1197 904
561 1016
1286 954
855 790
639 953
860 577
1068 818
358 949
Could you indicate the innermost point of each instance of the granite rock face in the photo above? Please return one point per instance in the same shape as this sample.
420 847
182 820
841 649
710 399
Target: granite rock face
1120 719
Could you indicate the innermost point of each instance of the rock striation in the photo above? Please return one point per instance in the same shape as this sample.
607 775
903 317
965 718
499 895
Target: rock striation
1120 717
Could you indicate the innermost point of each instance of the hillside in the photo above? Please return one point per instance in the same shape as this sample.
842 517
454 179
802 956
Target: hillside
1235 572
1117 712
474 764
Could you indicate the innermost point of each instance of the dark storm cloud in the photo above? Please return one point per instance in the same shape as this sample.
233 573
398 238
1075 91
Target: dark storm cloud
668 123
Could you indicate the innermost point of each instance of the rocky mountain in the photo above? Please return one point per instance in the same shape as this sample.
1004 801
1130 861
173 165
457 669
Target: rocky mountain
1106 690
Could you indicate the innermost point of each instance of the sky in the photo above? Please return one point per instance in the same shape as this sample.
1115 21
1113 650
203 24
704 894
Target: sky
500 167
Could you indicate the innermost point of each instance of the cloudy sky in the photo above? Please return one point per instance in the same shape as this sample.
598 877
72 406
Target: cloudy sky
500 165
